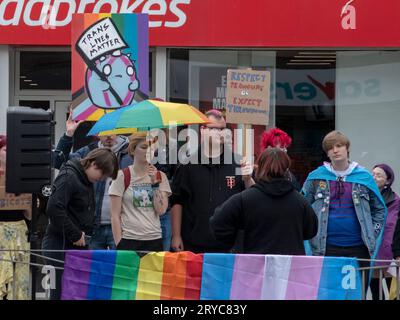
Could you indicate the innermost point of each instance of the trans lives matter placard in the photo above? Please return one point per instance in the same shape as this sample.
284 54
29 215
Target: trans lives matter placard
247 96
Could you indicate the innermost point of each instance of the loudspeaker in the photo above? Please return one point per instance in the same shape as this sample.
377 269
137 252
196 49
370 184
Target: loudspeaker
29 147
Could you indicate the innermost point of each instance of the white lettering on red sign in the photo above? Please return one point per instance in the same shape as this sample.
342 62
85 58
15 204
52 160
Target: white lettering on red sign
13 11
348 15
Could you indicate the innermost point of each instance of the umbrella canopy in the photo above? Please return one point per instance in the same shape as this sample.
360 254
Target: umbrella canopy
147 115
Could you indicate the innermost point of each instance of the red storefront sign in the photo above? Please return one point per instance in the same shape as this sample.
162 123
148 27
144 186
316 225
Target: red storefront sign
217 23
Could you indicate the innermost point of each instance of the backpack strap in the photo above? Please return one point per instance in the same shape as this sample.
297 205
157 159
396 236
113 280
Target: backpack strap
127 177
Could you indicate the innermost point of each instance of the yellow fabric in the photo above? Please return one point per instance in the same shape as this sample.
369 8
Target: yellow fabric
393 289
13 236
150 276
179 113
118 131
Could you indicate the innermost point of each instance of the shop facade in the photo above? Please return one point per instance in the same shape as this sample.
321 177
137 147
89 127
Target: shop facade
333 64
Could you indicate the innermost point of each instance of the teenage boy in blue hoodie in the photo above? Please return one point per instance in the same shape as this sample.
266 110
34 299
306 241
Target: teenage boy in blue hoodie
350 209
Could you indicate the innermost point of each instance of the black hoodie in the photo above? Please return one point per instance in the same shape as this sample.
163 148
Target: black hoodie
71 206
200 188
275 218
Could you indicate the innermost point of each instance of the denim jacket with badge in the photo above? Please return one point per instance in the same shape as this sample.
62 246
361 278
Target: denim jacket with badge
368 204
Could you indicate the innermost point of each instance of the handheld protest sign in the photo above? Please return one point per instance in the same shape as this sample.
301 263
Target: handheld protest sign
110 63
10 201
247 96
247 101
96 42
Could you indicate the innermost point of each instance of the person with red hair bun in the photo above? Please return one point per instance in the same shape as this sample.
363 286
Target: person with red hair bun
277 138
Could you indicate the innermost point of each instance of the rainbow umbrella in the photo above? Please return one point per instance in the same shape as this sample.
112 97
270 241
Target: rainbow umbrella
147 115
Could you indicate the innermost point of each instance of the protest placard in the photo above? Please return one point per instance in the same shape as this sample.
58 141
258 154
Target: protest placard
9 201
110 63
247 96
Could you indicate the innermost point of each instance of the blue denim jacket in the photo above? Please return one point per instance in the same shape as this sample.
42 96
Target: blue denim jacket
370 210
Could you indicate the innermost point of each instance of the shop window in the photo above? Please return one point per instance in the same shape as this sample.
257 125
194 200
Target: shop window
302 95
45 70
368 106
305 104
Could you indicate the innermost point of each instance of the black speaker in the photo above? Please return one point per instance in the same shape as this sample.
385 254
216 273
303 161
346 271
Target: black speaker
29 146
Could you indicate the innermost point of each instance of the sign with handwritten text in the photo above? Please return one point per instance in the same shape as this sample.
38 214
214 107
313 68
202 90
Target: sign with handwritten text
101 38
247 96
9 201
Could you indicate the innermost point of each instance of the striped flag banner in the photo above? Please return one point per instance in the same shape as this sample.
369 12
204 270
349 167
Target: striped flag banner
274 277
124 275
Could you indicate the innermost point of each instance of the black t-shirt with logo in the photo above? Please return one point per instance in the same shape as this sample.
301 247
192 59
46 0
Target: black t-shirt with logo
200 188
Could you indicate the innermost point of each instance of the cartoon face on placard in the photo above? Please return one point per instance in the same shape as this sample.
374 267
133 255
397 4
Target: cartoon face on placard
119 74
109 63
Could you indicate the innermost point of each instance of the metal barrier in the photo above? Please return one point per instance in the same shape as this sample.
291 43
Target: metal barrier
367 273
370 270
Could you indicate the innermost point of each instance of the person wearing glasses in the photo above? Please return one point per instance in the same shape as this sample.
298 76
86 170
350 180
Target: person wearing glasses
384 177
350 209
197 189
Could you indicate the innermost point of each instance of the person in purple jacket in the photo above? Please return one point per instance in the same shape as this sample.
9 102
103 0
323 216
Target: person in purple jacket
384 177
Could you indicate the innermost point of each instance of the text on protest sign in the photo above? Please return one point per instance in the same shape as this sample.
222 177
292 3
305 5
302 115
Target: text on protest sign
247 97
99 39
9 201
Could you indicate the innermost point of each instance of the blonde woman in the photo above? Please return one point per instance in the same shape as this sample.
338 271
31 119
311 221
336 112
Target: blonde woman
138 197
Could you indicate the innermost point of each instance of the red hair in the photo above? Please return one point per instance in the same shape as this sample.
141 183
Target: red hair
273 137
3 141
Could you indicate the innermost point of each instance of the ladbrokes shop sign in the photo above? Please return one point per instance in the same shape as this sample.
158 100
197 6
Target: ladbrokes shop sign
216 23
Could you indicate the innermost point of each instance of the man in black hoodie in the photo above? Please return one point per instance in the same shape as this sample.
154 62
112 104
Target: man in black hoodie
102 234
197 189
71 206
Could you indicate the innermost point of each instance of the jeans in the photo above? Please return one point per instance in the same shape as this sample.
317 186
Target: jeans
52 242
102 238
166 230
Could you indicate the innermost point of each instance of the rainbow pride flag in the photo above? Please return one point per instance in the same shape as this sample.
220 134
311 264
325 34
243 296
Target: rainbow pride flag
274 277
123 275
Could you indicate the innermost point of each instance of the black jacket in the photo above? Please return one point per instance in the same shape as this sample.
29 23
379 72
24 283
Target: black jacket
275 218
200 188
71 206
